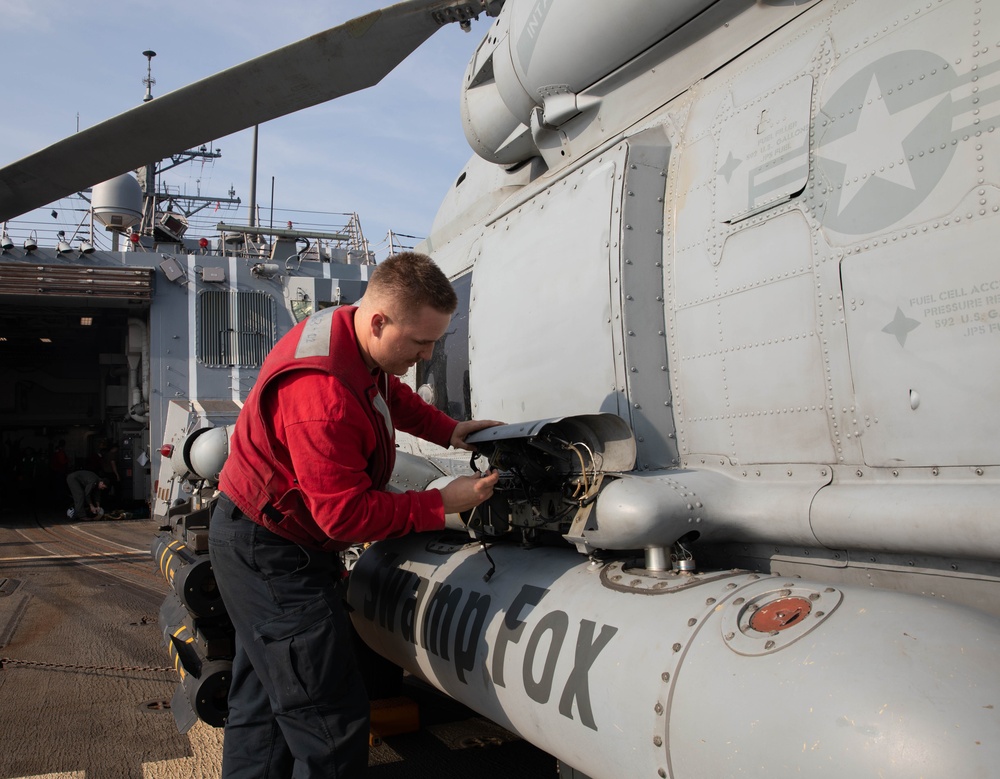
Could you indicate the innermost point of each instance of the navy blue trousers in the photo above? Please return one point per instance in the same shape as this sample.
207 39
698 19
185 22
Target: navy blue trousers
297 704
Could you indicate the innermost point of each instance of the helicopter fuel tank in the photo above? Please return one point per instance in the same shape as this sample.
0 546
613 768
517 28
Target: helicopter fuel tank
681 674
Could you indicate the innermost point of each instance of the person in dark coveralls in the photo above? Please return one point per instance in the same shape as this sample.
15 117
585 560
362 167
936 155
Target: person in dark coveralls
85 487
311 454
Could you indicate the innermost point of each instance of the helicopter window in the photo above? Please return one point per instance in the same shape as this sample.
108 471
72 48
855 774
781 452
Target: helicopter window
235 328
443 381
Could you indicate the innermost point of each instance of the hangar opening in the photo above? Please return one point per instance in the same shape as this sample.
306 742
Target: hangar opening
72 392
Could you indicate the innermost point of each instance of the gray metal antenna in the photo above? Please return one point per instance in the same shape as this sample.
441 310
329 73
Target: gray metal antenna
149 176
149 80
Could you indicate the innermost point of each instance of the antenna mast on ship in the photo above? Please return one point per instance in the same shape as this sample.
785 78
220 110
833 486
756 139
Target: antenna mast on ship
167 225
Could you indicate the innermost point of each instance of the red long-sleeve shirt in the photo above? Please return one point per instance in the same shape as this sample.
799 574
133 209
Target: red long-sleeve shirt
312 451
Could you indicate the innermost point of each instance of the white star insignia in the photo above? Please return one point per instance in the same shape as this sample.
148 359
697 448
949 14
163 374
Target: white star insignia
876 146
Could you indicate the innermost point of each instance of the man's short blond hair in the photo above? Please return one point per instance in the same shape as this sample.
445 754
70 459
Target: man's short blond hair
410 281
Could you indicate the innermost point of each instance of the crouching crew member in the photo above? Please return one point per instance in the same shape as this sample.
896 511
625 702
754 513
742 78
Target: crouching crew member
86 488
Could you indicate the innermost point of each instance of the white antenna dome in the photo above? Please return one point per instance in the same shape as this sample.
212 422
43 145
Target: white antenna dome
117 203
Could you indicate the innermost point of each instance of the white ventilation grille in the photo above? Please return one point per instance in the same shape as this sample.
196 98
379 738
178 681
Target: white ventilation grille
234 328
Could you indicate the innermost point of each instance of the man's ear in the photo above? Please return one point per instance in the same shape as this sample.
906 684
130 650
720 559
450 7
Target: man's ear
377 323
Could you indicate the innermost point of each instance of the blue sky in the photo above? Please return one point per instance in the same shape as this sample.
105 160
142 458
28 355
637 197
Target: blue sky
388 153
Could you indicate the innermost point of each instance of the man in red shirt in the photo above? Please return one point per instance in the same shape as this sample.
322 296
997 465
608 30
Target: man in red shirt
312 452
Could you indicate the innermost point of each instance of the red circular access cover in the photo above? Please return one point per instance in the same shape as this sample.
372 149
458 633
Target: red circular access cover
780 614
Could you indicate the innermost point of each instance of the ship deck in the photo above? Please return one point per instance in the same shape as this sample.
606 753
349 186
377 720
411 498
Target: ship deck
85 686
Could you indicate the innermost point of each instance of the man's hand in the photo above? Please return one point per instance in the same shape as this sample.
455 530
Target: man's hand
466 492
463 429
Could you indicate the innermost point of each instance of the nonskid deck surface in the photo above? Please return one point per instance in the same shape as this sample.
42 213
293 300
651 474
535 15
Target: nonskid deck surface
86 684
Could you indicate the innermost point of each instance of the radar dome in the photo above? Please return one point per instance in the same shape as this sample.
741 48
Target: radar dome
117 203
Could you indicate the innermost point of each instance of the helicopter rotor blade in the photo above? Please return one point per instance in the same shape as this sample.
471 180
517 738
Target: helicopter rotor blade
344 59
